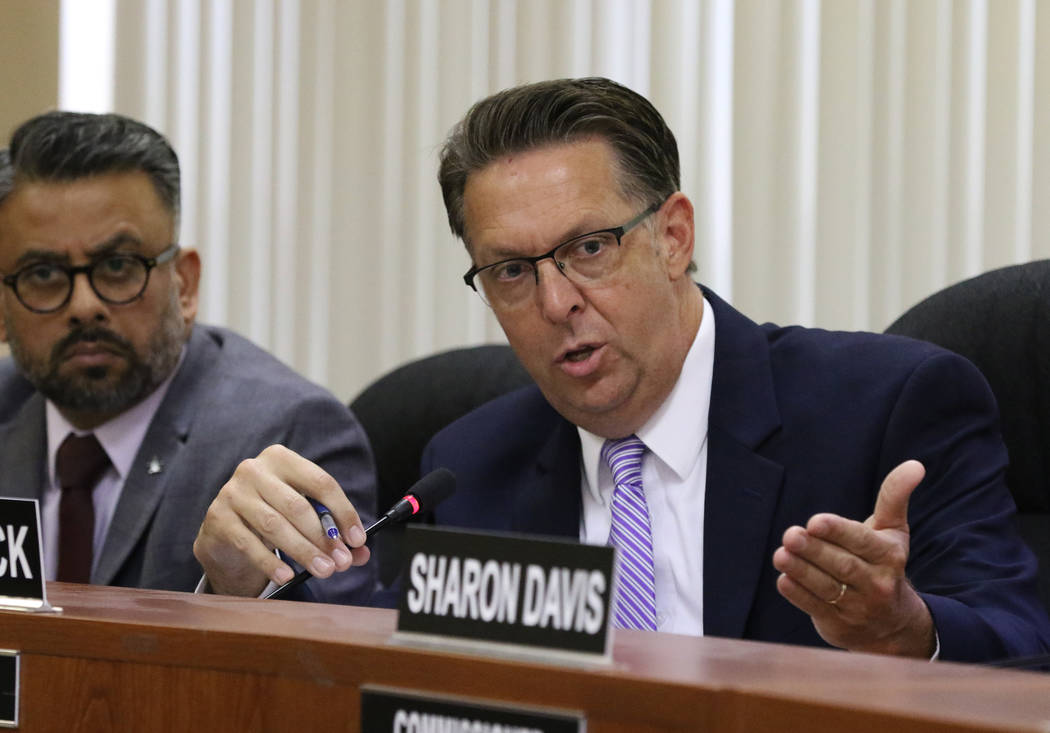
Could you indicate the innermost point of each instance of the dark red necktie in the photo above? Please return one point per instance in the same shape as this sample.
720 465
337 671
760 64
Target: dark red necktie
80 463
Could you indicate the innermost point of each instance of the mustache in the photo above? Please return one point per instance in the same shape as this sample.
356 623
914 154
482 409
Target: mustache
92 335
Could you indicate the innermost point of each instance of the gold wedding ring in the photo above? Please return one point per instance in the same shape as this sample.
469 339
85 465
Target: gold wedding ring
842 592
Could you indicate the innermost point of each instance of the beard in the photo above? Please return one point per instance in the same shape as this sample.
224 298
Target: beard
104 390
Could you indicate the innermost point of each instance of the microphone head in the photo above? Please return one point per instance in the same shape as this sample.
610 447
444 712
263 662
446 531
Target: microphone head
433 488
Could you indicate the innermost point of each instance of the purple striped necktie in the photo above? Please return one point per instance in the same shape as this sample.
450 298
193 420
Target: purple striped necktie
632 535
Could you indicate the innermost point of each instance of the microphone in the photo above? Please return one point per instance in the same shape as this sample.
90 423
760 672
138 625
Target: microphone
429 491
426 493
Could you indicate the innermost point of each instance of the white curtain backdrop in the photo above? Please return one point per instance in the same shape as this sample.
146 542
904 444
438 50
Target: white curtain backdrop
846 157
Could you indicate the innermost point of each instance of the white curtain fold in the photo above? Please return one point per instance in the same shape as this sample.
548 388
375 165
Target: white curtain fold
846 157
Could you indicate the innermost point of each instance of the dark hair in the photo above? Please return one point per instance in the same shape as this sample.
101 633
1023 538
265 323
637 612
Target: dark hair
67 146
7 174
561 111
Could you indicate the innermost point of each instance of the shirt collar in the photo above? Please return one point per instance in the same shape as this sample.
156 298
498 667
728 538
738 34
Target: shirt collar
677 430
120 437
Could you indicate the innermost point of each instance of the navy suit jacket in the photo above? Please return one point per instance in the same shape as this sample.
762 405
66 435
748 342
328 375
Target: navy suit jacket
801 421
228 401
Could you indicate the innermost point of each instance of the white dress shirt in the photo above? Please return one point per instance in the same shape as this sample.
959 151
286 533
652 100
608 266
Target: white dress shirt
121 438
674 477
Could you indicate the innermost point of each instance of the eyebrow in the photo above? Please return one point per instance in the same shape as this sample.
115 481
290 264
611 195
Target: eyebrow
573 233
118 240
102 249
39 255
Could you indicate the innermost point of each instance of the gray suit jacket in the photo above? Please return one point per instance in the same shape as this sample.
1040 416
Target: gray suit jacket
228 401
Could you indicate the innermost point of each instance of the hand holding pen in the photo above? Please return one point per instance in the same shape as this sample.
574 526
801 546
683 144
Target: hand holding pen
430 490
261 507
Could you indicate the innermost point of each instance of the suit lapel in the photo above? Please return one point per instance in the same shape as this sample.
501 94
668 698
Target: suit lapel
742 486
548 502
22 452
155 468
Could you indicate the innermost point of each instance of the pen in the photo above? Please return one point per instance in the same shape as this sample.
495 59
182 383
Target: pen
327 523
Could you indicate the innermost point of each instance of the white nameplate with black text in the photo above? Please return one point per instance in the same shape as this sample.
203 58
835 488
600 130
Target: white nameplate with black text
22 585
517 594
402 711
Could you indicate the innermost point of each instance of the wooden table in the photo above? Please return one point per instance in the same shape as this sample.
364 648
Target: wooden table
135 660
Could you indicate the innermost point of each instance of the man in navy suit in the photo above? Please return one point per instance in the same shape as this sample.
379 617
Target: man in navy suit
801 486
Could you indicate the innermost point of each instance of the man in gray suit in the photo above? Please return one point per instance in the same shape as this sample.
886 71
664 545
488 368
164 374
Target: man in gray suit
118 413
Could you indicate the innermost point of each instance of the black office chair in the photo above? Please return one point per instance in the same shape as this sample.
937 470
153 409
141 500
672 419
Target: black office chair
1001 322
403 409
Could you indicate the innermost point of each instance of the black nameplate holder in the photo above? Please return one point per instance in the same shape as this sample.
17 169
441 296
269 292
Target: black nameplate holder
22 586
510 595
385 708
8 688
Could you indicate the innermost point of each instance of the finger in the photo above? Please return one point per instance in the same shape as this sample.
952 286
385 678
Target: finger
813 578
845 547
234 558
346 557
308 478
361 555
891 506
280 516
803 599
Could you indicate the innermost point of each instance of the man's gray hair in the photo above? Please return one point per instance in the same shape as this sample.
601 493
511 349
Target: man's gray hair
68 146
7 174
562 111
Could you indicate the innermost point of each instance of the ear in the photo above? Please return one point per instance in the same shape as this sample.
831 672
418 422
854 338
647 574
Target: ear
676 233
187 280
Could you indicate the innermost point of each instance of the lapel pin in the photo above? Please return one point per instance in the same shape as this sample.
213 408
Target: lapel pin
154 466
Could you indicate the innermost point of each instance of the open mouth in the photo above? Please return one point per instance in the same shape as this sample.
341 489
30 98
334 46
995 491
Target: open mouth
579 354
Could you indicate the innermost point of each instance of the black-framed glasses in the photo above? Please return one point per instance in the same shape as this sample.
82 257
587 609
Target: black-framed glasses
117 279
584 260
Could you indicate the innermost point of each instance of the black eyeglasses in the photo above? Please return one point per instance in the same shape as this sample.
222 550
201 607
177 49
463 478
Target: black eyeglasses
117 279
583 260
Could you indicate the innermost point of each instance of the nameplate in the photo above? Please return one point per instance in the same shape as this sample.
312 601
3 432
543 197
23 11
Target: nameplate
21 561
8 688
516 594
401 711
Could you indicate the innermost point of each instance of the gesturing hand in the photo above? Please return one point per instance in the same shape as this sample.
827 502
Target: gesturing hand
850 576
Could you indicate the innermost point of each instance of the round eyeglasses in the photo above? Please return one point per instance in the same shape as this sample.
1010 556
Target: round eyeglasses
117 279
584 260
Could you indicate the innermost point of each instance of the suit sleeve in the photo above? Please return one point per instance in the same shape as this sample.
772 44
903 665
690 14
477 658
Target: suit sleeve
967 560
